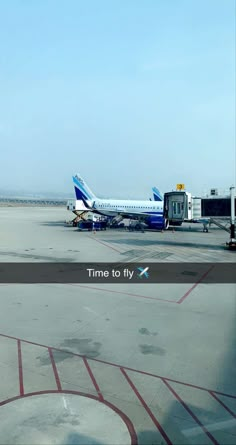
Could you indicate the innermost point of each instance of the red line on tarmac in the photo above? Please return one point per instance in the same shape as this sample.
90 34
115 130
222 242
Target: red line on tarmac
125 293
124 417
56 375
190 412
146 407
105 244
21 383
91 375
193 287
190 385
223 404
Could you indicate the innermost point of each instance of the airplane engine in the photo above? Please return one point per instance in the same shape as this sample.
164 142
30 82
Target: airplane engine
158 223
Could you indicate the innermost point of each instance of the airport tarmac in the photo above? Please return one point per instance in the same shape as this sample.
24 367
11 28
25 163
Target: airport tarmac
130 363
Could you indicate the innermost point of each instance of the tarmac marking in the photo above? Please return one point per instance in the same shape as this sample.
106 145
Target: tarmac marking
167 379
180 400
93 379
20 368
180 301
123 416
134 389
222 404
124 293
212 427
146 407
195 285
54 367
105 244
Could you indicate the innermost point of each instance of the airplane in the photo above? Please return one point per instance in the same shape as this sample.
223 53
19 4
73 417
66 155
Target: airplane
149 212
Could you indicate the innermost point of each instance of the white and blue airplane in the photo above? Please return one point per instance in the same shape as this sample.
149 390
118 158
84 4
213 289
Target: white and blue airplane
150 212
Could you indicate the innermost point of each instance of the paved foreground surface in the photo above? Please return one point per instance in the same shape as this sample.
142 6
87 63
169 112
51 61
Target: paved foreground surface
109 363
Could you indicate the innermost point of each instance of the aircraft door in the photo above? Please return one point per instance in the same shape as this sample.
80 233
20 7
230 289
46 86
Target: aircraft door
177 209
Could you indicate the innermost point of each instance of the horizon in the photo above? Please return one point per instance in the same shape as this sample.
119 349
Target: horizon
23 194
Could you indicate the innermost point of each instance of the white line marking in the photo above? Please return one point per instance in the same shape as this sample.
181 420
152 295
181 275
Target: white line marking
90 310
212 427
65 403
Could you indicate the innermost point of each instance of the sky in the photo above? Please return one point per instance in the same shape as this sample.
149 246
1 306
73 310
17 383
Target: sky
128 93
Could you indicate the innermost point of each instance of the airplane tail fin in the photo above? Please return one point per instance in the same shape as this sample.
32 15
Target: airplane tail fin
157 195
82 191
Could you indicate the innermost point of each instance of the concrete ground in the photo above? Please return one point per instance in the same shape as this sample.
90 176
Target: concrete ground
114 363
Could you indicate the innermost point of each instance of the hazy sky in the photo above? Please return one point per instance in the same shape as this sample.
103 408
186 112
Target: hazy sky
129 93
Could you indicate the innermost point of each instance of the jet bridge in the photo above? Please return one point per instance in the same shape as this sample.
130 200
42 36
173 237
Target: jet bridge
177 207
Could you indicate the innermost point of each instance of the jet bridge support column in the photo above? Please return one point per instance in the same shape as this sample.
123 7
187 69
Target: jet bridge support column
232 242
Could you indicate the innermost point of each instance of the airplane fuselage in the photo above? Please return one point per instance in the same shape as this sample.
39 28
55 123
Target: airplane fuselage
150 212
111 206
